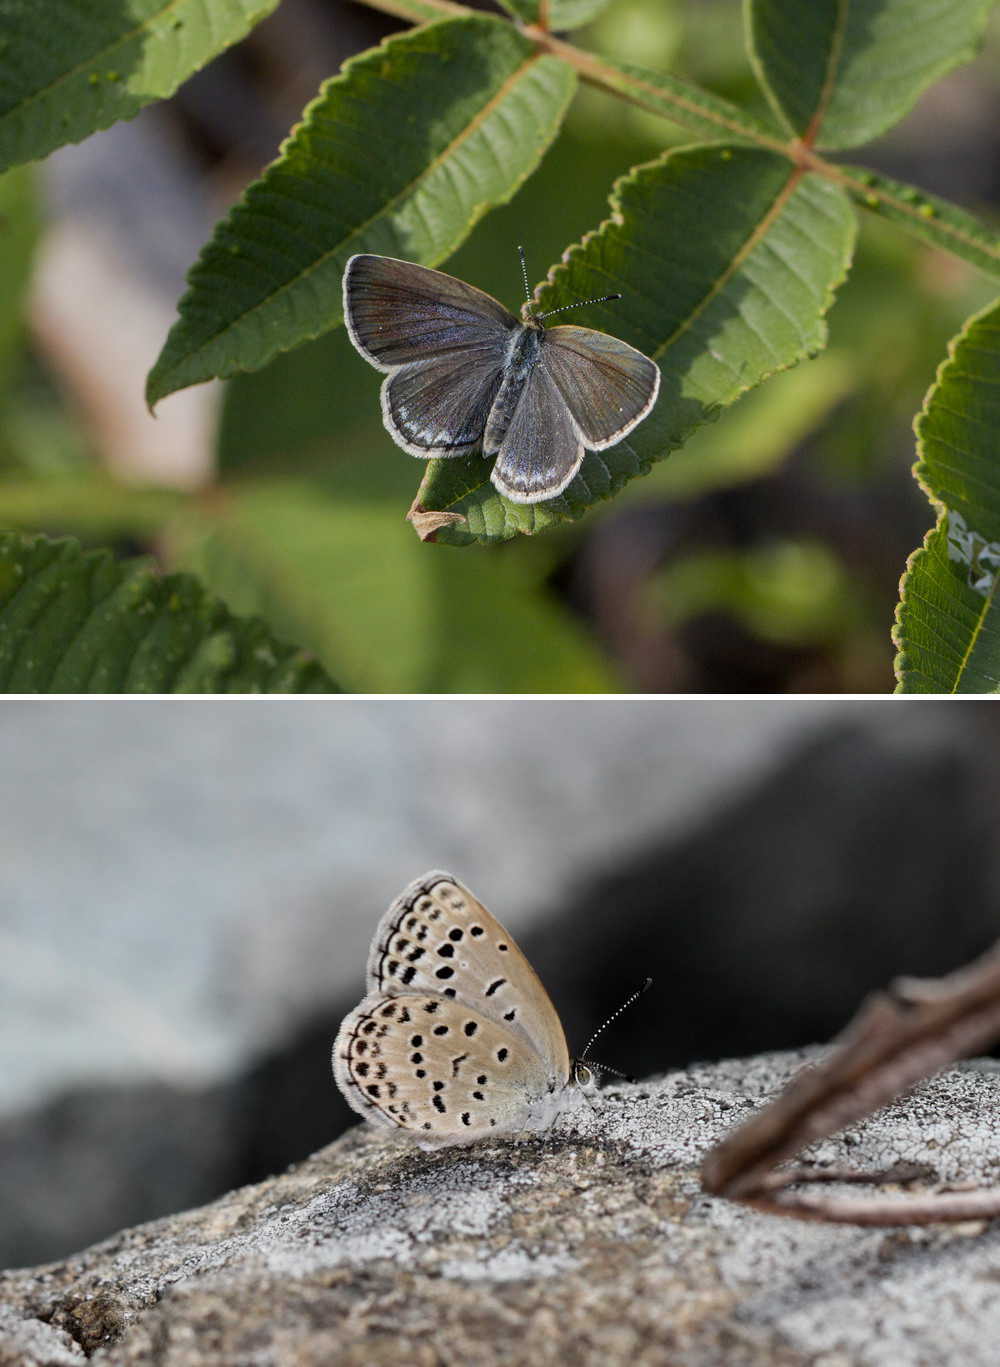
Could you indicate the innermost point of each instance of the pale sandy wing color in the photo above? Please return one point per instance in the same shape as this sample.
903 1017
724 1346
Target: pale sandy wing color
397 312
608 386
439 1069
541 450
437 937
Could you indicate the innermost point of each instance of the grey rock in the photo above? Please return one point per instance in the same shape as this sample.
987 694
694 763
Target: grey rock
92 1161
766 927
182 887
179 941
591 1243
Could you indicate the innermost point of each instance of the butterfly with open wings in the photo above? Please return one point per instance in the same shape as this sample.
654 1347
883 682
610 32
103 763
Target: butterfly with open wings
463 375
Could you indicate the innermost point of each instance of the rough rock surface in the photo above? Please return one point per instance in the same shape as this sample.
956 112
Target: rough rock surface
178 945
591 1243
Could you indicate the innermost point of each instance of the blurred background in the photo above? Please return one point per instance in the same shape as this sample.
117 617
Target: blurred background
189 892
765 556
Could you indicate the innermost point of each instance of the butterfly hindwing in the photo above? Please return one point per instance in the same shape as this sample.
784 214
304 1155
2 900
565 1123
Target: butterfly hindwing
439 407
436 1067
606 384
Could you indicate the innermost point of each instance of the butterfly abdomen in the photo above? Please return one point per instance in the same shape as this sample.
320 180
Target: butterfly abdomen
524 353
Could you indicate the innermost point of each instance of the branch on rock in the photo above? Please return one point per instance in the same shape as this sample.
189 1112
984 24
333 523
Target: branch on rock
896 1039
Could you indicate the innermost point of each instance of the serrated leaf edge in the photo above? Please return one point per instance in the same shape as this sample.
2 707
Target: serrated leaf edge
106 54
918 469
616 218
154 394
135 574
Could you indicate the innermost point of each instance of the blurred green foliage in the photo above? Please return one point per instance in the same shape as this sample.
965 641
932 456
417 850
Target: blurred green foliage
313 493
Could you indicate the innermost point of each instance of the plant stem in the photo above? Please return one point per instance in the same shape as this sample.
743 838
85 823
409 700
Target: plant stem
672 102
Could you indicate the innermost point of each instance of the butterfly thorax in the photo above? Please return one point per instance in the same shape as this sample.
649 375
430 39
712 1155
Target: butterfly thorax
525 346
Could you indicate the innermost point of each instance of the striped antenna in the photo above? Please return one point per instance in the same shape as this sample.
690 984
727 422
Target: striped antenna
613 1017
524 274
579 303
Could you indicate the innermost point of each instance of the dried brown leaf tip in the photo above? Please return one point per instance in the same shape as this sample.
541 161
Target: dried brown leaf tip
897 1038
427 524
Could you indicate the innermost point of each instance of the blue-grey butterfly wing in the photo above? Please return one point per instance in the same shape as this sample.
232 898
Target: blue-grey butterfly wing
541 449
397 312
443 344
608 385
439 407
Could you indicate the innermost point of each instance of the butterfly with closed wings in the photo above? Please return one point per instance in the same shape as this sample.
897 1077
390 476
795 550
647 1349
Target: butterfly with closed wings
457 1038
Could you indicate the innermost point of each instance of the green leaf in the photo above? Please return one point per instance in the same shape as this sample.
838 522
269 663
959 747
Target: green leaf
559 15
948 620
74 621
681 102
346 576
839 72
754 437
935 221
400 154
18 233
727 259
70 67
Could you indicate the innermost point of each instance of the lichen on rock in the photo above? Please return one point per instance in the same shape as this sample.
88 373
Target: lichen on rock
591 1243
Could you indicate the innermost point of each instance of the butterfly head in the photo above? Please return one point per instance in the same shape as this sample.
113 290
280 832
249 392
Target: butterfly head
581 1072
583 1076
530 319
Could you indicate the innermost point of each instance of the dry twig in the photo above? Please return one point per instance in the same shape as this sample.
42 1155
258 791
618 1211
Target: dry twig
896 1039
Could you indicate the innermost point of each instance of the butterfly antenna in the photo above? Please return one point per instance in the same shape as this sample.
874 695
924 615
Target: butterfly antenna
613 1017
578 304
604 1068
524 274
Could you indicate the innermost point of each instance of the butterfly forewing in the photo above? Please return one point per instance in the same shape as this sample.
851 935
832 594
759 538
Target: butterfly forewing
436 1067
397 312
437 937
607 385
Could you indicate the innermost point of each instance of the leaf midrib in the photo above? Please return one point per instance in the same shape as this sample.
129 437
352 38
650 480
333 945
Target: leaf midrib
977 632
832 67
383 209
781 198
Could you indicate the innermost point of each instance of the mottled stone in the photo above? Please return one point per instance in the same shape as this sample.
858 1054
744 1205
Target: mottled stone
590 1244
